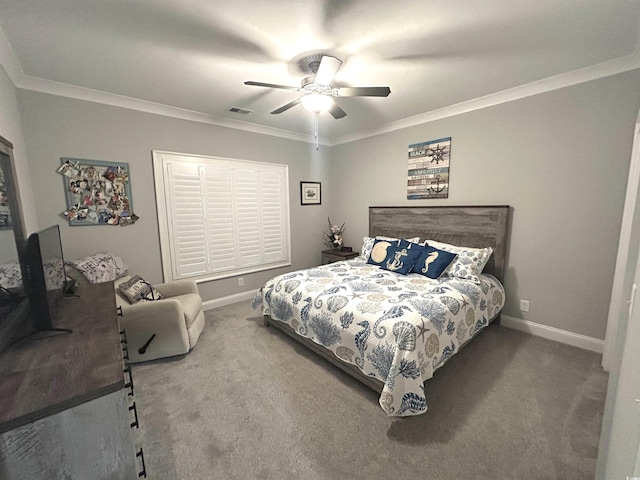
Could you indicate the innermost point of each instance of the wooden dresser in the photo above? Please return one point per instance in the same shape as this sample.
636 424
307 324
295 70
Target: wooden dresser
65 406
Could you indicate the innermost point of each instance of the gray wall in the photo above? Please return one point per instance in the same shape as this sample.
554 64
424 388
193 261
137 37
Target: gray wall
59 127
560 159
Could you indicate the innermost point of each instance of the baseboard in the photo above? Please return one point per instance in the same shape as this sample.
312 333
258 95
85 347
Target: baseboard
235 298
552 333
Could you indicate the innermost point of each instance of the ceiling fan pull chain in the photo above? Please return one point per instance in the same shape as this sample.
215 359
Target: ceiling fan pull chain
315 129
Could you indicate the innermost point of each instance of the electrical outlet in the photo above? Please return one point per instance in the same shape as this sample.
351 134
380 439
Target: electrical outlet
240 281
524 305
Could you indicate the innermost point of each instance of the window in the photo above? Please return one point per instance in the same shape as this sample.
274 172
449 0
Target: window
220 217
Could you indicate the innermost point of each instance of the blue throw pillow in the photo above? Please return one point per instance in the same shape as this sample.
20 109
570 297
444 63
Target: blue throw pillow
390 256
432 262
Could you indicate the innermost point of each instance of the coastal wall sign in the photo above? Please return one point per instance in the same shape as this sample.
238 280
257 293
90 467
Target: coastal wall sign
428 173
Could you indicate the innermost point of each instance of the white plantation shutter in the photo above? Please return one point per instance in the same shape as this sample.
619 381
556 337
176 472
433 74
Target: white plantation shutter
219 215
246 184
271 193
185 206
223 217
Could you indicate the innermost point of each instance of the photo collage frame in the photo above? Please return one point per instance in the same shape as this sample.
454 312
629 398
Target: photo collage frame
98 192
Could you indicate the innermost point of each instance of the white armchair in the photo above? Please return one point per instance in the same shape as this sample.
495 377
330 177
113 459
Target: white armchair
162 328
154 329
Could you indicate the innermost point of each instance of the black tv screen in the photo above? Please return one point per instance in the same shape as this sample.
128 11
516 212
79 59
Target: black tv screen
45 278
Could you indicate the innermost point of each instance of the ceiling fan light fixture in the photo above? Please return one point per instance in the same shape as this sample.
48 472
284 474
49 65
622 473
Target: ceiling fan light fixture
317 90
317 103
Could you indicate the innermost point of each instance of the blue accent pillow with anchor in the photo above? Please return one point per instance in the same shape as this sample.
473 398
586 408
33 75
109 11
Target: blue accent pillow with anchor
393 257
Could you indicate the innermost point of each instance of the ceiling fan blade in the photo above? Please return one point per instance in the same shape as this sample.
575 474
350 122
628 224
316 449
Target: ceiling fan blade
328 68
364 92
270 85
286 107
336 112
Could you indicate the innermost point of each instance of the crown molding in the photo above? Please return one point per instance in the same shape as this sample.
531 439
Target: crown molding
575 77
51 87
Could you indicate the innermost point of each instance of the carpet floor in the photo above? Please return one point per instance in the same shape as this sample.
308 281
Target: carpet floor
250 403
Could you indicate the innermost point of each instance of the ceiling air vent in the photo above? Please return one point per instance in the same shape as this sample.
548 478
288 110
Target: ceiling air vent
241 111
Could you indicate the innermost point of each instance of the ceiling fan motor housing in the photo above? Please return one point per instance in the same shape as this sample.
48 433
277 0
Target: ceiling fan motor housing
309 85
310 63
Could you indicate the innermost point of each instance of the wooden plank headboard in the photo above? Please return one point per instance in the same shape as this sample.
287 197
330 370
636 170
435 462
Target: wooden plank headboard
468 226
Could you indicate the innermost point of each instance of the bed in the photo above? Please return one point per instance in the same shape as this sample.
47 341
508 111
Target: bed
388 330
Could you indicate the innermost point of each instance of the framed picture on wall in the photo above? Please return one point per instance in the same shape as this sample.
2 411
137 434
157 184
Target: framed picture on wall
310 193
98 193
428 175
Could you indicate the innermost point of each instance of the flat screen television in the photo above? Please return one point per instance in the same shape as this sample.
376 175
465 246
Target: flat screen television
44 278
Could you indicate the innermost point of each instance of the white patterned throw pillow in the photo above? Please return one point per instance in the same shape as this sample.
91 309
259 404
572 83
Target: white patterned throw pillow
367 245
469 262
101 267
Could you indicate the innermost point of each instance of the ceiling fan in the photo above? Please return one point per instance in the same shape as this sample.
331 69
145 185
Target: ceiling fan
317 90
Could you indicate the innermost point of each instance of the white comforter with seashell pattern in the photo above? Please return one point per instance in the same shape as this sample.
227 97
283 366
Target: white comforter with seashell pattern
396 328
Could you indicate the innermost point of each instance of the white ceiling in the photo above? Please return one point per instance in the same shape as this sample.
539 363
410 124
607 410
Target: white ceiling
189 58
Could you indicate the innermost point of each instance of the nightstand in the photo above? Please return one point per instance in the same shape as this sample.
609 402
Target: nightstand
330 256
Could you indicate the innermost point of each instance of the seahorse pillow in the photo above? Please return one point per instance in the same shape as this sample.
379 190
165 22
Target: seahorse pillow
432 262
388 255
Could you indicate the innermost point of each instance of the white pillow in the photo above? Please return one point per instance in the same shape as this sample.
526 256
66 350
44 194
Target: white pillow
393 239
468 264
101 267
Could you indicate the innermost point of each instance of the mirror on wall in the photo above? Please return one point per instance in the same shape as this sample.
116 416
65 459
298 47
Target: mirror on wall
12 237
11 223
8 249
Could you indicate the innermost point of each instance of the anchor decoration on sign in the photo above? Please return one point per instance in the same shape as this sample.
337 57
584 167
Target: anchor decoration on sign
437 183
